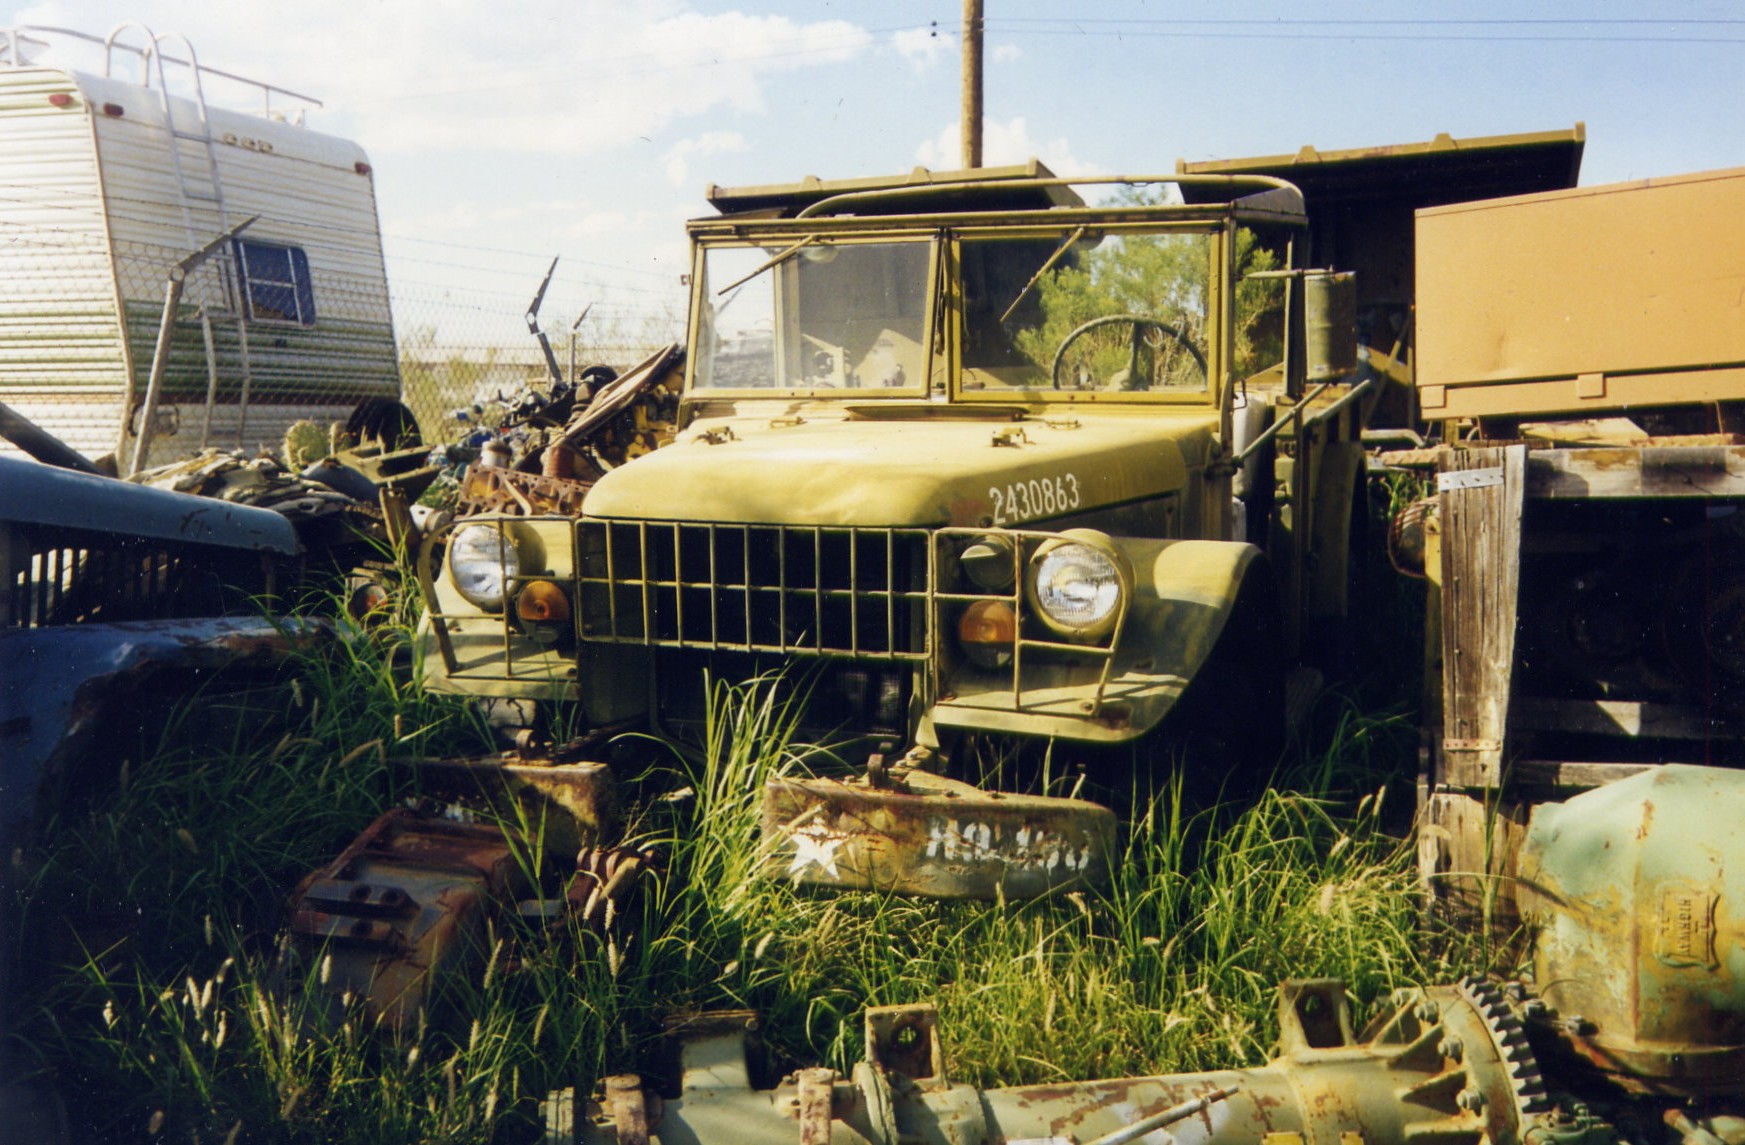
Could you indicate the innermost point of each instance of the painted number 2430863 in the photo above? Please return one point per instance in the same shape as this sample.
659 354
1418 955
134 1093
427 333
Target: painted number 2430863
1037 497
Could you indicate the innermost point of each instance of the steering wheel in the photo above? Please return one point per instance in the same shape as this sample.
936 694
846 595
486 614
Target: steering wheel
1140 323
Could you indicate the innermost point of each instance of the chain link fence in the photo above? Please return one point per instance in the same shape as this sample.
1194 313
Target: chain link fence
466 348
264 336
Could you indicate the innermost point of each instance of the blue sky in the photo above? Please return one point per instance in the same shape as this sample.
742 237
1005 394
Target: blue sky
505 133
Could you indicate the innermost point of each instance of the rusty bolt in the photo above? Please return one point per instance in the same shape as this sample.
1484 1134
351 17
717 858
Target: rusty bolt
1576 1026
1428 1011
1470 1099
1452 1048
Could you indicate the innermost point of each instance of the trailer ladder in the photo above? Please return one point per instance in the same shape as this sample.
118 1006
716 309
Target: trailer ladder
197 186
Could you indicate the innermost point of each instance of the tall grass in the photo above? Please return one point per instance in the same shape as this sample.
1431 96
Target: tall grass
151 912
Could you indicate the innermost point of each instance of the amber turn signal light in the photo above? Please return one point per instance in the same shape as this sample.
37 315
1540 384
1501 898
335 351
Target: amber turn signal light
987 630
542 602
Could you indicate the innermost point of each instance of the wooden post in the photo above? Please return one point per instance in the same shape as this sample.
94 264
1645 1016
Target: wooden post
972 83
1482 491
1470 828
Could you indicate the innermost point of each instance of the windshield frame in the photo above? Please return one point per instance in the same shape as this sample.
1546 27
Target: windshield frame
1218 348
782 238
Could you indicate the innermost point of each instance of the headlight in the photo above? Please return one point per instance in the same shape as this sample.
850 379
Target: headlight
482 561
1077 587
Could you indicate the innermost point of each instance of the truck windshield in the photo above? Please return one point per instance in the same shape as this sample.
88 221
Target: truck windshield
1113 312
829 315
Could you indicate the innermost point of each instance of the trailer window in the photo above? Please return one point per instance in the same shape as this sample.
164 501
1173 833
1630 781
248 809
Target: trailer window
275 281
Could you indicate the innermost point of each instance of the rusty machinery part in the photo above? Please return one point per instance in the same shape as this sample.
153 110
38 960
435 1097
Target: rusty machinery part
570 802
513 493
406 902
1509 1036
1635 889
913 832
605 880
1430 1068
1407 540
260 481
365 471
631 415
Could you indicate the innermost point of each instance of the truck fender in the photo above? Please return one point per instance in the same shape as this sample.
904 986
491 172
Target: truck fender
1185 593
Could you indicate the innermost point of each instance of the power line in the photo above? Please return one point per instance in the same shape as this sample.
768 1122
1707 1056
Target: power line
614 267
532 276
1298 30
1351 22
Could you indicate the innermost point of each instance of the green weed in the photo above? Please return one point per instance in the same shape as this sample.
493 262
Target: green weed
151 910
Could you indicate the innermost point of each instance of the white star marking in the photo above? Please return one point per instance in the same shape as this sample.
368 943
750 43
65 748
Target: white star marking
815 847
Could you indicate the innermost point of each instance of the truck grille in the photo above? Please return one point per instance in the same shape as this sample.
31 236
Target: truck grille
792 590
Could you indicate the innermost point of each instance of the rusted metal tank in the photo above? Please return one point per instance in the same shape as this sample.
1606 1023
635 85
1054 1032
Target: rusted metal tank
1638 890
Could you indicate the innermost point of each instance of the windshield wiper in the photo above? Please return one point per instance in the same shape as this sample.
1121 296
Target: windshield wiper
1037 277
773 260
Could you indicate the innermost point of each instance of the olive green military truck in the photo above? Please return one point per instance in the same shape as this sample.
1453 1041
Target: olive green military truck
975 460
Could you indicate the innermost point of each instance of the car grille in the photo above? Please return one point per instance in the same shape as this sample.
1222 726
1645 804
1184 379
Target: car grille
786 589
69 576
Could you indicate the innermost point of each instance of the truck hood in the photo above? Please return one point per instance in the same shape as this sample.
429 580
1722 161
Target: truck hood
906 471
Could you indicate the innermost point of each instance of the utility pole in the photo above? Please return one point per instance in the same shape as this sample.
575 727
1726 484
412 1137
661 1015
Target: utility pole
972 83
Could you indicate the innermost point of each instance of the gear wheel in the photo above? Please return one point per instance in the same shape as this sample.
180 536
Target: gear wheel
1510 1036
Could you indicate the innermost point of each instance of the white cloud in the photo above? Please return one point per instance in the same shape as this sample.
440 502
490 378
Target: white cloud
550 77
678 156
1002 143
924 47
1006 53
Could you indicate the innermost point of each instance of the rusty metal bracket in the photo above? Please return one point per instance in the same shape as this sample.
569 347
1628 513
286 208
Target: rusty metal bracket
816 1089
1468 478
572 802
605 879
904 1041
406 900
925 834
629 1109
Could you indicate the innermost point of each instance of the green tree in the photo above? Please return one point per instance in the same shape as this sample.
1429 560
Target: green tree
1159 276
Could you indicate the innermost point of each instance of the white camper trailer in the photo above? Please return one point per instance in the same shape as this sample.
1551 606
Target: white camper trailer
132 279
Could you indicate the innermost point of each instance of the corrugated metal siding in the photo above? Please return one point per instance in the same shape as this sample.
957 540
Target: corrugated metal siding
62 361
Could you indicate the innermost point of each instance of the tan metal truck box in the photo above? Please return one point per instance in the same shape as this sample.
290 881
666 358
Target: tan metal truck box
1598 298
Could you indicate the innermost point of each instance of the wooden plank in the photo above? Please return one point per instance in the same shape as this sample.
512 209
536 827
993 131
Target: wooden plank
1573 774
1467 849
1648 471
1618 718
1481 493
